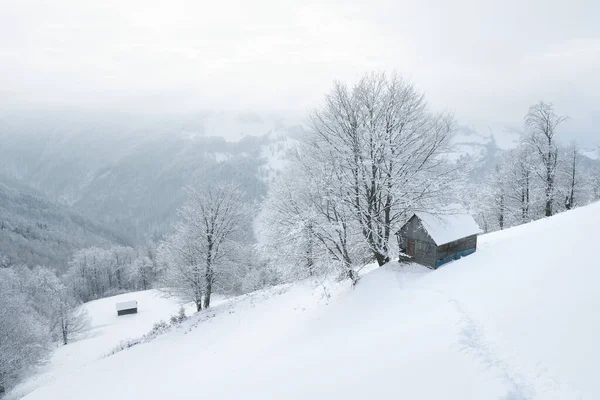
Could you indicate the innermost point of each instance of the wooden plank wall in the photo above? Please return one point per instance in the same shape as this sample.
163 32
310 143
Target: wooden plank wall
425 247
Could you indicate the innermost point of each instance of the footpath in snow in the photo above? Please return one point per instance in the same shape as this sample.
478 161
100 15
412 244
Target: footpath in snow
516 320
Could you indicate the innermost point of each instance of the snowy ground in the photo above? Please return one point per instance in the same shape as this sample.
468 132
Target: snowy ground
106 331
517 320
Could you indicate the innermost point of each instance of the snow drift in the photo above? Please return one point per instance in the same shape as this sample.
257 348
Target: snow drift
516 320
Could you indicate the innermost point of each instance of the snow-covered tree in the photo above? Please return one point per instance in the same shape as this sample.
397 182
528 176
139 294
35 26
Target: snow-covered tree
306 225
520 183
570 179
386 148
142 273
54 301
195 255
542 122
23 331
286 226
594 183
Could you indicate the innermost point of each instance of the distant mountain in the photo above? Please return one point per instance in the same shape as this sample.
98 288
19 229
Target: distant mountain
36 231
131 174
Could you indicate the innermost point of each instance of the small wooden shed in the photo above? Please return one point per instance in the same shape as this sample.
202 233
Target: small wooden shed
434 239
127 307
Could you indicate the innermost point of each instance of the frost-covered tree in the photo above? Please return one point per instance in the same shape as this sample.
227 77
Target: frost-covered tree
286 226
54 301
493 203
499 199
520 183
305 223
25 338
386 147
594 183
196 254
542 122
571 180
142 273
70 318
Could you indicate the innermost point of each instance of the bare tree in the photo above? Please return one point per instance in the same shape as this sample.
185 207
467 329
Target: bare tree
69 317
180 257
500 197
594 182
572 175
192 256
286 225
386 146
541 121
521 183
306 219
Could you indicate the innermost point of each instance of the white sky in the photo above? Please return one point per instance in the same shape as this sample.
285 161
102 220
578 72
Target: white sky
486 61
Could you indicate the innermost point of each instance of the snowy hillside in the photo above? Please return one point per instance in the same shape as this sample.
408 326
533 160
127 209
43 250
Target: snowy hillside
105 333
516 320
37 231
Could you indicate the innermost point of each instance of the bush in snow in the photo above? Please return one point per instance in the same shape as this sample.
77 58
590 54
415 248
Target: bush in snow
179 318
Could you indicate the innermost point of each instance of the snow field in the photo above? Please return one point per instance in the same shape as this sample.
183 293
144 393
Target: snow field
516 320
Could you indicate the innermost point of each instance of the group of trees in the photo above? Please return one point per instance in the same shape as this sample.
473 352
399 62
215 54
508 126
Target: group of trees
36 309
97 272
373 154
538 178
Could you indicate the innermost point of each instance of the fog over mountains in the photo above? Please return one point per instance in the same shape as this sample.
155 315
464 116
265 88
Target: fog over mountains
128 173
120 178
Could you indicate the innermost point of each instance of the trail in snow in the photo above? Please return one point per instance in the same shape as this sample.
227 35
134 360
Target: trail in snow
525 383
473 340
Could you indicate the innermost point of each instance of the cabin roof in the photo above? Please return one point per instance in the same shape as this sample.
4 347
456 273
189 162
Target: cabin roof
449 224
126 305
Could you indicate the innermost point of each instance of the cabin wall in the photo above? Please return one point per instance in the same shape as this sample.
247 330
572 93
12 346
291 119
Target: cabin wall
461 247
128 311
424 246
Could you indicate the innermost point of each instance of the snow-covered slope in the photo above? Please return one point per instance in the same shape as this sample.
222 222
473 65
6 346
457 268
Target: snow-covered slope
516 320
106 331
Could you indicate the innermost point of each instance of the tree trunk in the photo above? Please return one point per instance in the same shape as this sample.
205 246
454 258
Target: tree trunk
501 217
309 251
352 275
381 259
64 335
209 274
571 201
548 208
209 278
550 180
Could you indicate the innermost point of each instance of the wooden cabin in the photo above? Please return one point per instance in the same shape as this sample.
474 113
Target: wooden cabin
433 240
127 307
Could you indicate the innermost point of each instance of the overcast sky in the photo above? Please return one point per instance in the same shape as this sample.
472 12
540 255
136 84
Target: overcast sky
485 61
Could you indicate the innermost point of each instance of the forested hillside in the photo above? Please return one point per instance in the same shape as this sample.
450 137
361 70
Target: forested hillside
36 231
129 173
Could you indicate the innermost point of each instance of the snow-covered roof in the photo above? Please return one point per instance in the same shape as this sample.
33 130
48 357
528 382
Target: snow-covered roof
126 305
449 224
